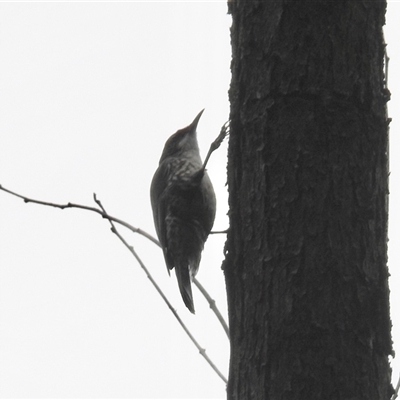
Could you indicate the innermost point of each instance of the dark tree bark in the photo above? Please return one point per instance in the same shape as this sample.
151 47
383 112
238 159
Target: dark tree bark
306 265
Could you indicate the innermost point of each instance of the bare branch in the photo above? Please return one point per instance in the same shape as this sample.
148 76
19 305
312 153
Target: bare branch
82 207
218 232
160 292
396 391
213 306
126 225
216 143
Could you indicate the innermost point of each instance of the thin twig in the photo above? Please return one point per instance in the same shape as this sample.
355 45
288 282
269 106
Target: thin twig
118 221
216 143
213 306
160 292
386 64
396 392
96 210
218 232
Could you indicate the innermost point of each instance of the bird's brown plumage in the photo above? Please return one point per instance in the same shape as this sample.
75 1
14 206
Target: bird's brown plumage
183 203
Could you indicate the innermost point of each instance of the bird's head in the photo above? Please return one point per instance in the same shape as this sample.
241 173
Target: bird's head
182 141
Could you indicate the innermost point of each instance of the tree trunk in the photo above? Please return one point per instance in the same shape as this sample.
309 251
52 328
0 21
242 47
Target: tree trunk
306 266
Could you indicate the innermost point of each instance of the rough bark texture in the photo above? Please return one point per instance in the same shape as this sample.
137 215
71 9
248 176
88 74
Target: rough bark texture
306 267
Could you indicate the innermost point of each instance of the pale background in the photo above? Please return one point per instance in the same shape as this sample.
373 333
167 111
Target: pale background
89 92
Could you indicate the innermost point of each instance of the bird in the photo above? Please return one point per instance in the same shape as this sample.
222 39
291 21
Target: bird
184 205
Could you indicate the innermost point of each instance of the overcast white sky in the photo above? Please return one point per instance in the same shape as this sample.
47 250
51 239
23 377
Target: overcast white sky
89 92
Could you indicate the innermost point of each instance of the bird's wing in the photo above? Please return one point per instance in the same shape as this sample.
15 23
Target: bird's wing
159 205
209 204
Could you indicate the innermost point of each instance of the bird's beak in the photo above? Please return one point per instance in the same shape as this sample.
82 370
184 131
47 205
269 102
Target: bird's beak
193 125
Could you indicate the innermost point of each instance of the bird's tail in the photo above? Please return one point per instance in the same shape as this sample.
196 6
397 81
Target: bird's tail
185 287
